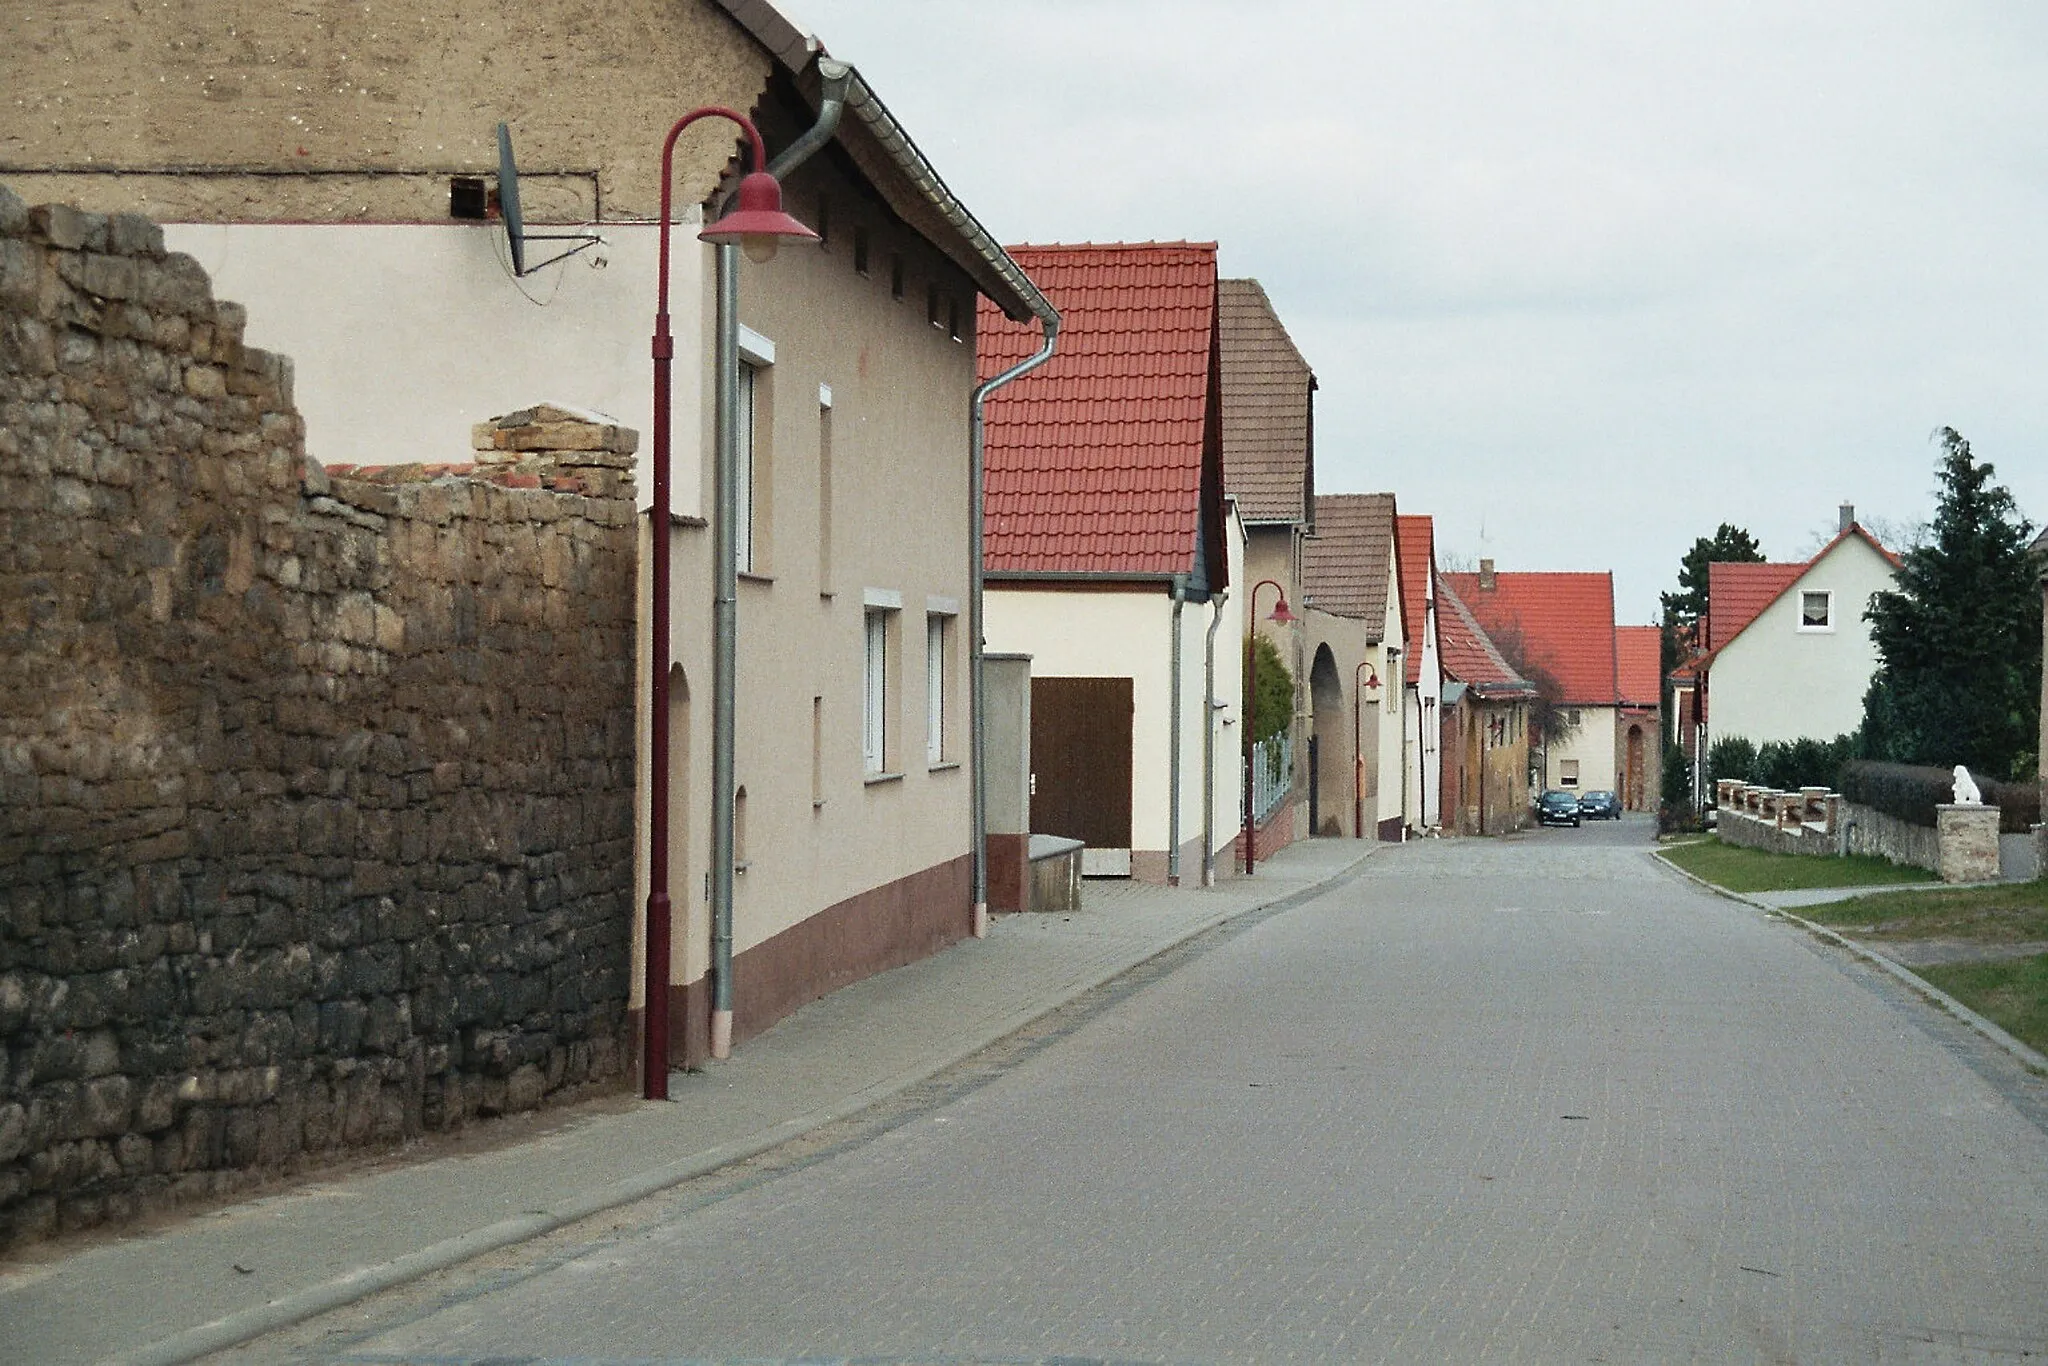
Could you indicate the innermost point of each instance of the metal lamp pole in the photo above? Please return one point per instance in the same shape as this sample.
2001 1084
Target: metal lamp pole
1281 616
756 222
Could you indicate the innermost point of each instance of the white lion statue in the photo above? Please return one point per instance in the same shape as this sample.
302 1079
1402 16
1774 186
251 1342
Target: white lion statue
1966 789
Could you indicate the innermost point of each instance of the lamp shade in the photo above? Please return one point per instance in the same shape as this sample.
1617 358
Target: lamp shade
756 213
1281 614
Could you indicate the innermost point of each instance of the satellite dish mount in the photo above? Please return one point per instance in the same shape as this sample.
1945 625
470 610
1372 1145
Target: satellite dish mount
516 235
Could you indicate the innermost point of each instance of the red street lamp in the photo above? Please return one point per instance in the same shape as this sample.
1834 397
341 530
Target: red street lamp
1281 616
757 219
1364 679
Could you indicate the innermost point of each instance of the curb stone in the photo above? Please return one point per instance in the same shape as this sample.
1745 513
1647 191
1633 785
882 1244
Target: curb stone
2029 1058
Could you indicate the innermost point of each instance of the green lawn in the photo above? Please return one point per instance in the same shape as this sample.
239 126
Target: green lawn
2010 913
2013 994
1753 870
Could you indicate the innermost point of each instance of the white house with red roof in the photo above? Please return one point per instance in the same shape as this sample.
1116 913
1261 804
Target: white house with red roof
1423 681
1562 625
1789 655
1110 556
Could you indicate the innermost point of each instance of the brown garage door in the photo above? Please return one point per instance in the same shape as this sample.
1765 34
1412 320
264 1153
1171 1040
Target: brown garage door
1081 760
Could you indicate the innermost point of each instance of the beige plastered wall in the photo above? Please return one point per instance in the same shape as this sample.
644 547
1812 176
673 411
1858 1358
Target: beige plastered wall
1776 681
1421 720
1592 744
898 393
1350 643
403 336
1273 551
369 106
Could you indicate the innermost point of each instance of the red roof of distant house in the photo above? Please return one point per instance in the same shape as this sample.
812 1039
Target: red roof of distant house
1468 653
1639 664
1738 593
1095 460
1415 534
1565 622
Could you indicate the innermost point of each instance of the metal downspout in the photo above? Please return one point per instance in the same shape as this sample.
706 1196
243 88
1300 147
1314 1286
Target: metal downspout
1209 742
977 726
834 77
1180 600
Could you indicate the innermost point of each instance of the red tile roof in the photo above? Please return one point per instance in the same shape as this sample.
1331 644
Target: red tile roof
1639 663
1095 460
1468 653
1738 593
1564 621
1416 536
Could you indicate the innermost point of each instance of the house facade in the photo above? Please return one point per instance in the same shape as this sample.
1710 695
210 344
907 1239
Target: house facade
1351 585
1269 472
1638 743
1789 655
1423 685
356 225
1112 559
1558 627
1485 727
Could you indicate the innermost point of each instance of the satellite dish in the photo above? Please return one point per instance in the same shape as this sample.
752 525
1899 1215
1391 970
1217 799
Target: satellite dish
516 235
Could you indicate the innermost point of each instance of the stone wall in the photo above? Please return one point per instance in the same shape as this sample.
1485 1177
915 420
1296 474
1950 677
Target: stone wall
315 786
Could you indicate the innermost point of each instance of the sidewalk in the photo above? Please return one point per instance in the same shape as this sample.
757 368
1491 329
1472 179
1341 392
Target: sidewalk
223 1277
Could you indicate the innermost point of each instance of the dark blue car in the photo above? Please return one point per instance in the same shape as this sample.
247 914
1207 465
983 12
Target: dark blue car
1557 807
1600 806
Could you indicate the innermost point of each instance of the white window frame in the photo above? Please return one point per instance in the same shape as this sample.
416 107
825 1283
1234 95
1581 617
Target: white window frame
743 483
874 732
1567 772
1825 628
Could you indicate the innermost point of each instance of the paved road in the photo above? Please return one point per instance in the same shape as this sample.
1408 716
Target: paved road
1527 1100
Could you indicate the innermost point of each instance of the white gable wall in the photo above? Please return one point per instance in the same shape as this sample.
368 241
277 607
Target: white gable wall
1777 681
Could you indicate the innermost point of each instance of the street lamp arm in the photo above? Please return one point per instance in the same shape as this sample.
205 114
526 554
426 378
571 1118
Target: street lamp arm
668 155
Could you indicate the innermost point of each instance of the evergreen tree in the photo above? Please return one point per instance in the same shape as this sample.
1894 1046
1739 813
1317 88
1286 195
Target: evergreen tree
1959 641
1729 544
1273 708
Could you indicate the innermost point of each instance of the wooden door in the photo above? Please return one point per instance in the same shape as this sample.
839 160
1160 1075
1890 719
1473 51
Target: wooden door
1081 761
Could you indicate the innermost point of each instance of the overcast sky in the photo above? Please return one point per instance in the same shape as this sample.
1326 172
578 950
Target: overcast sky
1582 280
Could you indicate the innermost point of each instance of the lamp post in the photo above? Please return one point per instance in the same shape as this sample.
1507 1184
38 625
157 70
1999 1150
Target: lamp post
1281 616
1364 679
756 223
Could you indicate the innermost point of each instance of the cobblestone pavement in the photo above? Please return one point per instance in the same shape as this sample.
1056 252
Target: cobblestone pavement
1534 1100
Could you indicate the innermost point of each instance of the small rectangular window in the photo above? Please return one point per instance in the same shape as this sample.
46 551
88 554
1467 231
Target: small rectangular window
1567 772
875 708
817 751
1816 611
824 491
860 251
896 277
935 634
953 319
931 307
743 485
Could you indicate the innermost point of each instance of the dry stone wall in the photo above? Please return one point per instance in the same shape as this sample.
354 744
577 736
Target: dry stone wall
315 786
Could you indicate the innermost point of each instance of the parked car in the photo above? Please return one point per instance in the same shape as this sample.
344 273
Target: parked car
1557 807
1600 806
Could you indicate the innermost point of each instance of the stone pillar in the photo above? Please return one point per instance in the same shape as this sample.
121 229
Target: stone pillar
1967 842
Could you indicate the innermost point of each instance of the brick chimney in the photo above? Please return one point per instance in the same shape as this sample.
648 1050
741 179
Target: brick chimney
1848 517
1486 576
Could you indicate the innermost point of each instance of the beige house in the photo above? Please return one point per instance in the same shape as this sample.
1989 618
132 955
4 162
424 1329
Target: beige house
1351 585
408 325
1269 469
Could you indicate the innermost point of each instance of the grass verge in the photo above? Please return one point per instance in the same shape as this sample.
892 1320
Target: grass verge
2010 913
1755 870
2013 994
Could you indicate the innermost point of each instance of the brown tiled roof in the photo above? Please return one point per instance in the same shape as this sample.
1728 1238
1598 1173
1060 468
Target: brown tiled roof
1096 459
1468 653
1268 455
1346 564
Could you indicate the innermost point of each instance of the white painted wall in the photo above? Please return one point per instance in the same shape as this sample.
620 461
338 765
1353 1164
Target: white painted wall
1778 681
1422 729
1128 634
403 336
